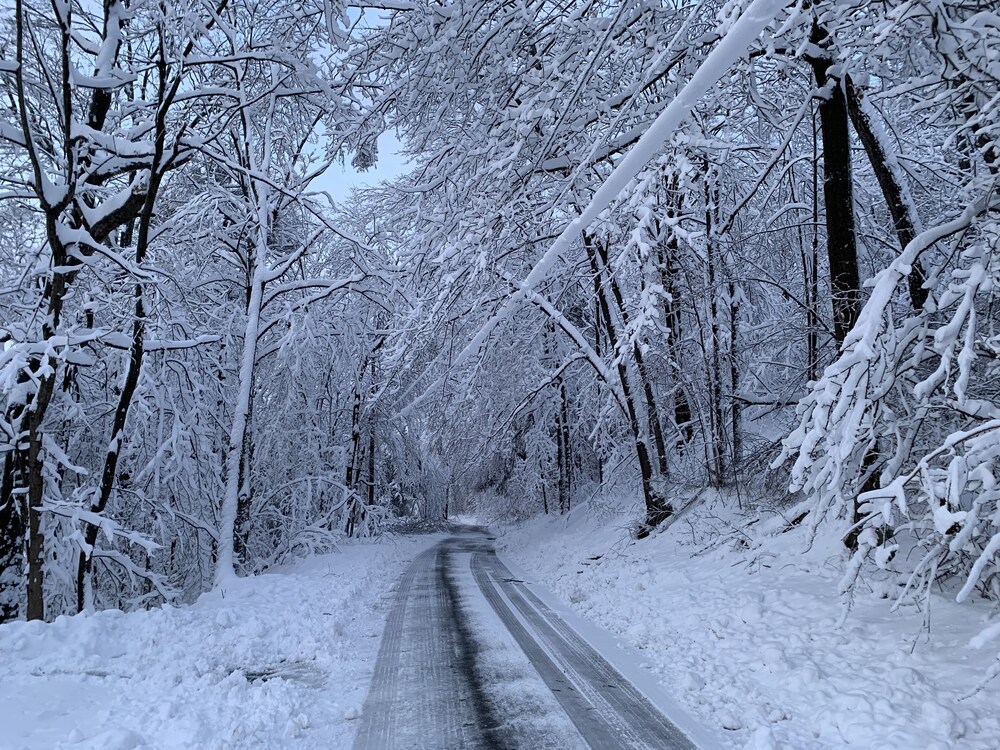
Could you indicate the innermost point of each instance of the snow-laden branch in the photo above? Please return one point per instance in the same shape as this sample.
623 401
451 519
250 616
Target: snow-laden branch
730 48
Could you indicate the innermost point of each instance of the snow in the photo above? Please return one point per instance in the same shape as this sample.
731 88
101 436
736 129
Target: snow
756 653
758 15
759 651
515 688
282 660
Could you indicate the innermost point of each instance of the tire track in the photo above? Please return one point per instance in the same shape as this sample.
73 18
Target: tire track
605 707
377 724
432 684
491 736
419 697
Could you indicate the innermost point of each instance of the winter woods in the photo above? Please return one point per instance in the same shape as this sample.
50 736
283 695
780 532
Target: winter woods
162 249
688 296
746 245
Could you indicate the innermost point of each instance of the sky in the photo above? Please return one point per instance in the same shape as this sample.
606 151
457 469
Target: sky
340 179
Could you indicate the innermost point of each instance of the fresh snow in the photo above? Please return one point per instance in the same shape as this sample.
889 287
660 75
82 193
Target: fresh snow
281 660
755 643
755 651
729 49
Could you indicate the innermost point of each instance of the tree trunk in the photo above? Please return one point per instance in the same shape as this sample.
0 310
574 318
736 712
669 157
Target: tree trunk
667 263
838 187
567 446
657 507
371 464
841 241
353 472
714 440
36 494
225 562
564 456
810 269
893 183
12 540
244 504
736 411
659 444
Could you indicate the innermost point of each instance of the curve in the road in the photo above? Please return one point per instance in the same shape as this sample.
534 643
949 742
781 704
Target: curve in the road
428 693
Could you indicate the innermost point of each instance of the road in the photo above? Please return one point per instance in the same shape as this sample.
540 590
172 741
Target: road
471 658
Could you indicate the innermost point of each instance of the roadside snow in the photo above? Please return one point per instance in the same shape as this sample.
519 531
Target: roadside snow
757 649
278 661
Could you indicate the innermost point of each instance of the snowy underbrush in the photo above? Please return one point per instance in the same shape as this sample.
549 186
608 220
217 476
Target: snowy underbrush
751 635
281 660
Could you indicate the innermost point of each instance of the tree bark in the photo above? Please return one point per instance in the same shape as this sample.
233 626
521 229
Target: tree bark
714 441
564 456
893 184
672 317
838 187
736 408
838 195
12 528
657 507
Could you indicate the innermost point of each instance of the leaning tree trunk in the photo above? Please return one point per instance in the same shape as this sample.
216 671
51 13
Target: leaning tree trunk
892 181
659 443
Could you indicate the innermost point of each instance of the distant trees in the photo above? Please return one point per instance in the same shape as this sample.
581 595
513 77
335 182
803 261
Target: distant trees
515 123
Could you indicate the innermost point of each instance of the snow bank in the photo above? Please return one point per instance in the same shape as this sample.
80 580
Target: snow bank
757 650
278 661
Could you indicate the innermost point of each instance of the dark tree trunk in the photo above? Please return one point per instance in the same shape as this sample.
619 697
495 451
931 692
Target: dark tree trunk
567 447
672 316
838 195
715 441
657 507
12 523
244 500
353 473
36 492
564 456
371 466
560 461
736 413
659 444
667 263
810 269
893 189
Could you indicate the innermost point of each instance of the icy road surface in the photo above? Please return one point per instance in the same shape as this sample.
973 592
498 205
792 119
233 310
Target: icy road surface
471 658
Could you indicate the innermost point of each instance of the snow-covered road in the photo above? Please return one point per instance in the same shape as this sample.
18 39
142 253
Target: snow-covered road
471 657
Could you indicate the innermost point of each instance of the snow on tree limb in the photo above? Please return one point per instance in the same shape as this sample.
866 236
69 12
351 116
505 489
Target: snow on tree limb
758 15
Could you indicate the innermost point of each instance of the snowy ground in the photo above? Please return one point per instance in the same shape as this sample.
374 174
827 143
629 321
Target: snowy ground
278 661
757 651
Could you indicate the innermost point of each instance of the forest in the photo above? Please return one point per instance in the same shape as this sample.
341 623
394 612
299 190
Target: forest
646 247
